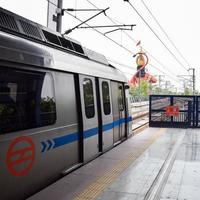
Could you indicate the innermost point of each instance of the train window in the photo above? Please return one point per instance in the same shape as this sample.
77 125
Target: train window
106 98
88 98
121 98
26 100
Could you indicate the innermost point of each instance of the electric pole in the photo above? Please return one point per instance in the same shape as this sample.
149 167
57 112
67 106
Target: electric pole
160 80
59 16
140 84
193 79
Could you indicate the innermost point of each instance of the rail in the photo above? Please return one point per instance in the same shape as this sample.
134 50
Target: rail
138 99
139 109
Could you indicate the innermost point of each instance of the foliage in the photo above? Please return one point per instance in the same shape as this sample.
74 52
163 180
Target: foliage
143 90
167 91
188 91
146 88
47 104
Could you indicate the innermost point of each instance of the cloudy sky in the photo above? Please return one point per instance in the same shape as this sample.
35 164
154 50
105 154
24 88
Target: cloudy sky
178 19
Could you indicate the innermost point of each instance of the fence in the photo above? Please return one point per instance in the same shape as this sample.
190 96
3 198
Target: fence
174 111
135 99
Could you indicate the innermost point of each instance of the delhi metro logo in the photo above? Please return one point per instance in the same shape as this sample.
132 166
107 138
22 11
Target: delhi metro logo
20 156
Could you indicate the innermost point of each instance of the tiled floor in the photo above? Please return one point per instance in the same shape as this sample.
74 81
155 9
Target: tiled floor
138 179
184 180
155 164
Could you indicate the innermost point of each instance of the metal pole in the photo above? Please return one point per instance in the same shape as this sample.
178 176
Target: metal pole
193 79
150 88
108 26
140 84
193 75
59 16
84 22
159 81
185 86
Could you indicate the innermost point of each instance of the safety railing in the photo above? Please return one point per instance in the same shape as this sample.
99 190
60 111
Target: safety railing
174 111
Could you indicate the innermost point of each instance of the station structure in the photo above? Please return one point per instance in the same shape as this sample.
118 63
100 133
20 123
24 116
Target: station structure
158 163
160 160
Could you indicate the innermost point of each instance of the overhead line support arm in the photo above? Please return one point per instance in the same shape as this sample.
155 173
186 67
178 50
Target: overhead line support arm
70 30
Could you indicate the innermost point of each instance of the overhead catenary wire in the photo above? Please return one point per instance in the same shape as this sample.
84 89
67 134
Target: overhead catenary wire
125 72
153 57
102 34
164 72
172 54
127 66
130 67
114 21
95 30
165 33
84 22
120 63
108 37
121 46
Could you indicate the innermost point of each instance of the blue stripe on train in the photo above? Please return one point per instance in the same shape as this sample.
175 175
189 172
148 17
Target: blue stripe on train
90 132
128 119
66 139
63 140
107 127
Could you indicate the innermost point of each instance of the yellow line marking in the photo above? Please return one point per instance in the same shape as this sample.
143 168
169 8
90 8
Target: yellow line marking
97 187
138 130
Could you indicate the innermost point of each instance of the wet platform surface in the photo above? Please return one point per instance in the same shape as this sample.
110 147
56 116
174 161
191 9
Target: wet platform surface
155 164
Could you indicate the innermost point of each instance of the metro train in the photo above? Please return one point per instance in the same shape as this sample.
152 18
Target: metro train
61 105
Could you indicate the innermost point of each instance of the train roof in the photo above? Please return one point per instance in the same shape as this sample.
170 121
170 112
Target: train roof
43 47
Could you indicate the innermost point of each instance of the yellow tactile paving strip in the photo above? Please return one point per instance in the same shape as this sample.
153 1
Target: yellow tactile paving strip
95 189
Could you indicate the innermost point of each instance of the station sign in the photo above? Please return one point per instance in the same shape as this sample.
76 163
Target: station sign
172 111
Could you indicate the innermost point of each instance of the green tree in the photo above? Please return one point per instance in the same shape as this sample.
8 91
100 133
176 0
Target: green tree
187 91
143 90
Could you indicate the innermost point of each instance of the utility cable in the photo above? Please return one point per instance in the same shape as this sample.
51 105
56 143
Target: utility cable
118 44
164 72
114 21
108 38
101 33
165 33
122 64
95 30
156 34
129 67
154 58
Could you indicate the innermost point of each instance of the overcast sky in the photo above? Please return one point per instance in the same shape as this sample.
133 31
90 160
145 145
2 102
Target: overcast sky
179 19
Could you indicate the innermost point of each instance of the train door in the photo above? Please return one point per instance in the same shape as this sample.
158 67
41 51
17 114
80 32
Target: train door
118 107
89 116
106 114
122 111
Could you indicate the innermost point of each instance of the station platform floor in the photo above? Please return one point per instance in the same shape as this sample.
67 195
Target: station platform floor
157 163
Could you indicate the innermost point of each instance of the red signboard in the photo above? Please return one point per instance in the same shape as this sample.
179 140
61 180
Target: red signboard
172 111
20 156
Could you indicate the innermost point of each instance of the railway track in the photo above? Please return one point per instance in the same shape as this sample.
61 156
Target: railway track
140 112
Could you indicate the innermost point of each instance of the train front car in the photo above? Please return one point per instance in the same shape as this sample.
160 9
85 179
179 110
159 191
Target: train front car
61 105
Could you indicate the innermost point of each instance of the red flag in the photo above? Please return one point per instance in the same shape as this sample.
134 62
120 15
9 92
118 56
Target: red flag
138 43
